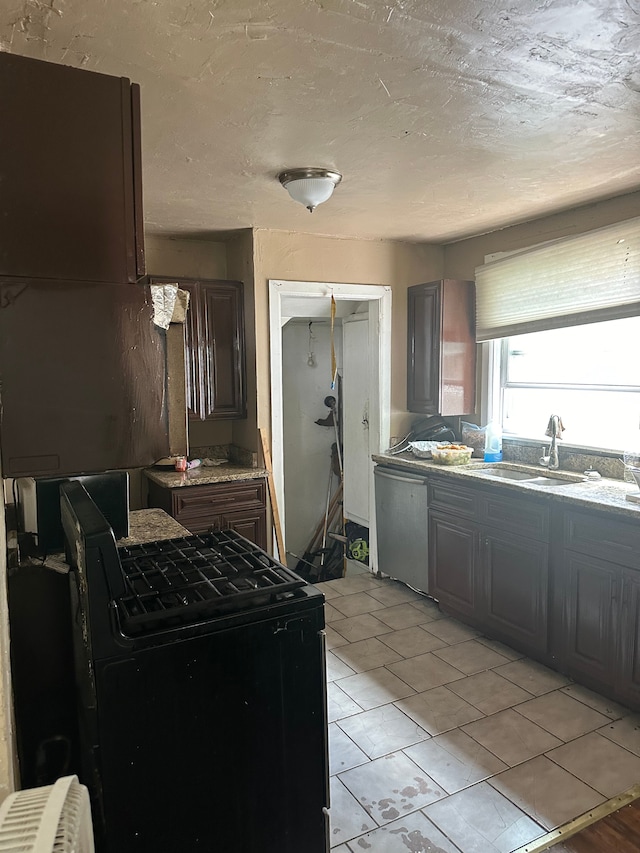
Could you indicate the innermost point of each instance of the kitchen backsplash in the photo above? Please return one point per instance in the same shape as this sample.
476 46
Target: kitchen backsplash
571 459
230 452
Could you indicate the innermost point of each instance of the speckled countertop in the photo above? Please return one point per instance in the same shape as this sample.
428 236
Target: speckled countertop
203 475
150 525
604 494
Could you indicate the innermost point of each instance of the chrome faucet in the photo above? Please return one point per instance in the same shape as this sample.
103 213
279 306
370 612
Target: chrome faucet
554 430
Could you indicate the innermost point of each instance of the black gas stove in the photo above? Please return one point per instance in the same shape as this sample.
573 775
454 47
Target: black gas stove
200 678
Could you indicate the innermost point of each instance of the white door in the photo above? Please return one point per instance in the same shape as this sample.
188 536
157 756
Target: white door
356 408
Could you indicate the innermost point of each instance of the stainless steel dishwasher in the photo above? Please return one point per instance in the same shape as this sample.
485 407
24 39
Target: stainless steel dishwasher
402 525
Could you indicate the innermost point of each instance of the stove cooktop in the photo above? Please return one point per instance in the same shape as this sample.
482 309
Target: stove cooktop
180 581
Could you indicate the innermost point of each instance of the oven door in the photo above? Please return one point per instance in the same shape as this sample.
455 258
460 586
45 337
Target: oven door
218 742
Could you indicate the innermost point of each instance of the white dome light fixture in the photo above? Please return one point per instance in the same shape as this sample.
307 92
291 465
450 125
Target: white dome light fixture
310 186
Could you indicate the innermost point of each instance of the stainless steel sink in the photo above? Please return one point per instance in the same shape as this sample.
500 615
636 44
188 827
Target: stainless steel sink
506 473
532 477
550 481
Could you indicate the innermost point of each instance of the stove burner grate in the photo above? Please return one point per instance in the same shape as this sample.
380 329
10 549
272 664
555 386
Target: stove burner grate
177 581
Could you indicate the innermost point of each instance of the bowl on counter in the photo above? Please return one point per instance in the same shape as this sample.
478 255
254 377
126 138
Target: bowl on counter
452 454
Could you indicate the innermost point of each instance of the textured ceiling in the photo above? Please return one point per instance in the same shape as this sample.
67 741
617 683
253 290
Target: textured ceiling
446 117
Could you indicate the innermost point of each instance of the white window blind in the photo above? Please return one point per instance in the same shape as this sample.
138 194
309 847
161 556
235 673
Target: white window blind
585 279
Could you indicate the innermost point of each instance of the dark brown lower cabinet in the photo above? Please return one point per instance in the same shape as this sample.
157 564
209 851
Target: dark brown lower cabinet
514 572
599 585
452 563
494 564
589 590
237 504
629 678
496 578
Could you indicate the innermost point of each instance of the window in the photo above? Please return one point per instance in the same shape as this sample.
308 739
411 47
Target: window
589 375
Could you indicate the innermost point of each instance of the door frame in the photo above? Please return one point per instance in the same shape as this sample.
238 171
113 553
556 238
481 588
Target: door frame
371 415
378 298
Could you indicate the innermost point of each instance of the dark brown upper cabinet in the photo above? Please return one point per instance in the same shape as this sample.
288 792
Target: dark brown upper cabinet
70 172
441 348
214 348
82 378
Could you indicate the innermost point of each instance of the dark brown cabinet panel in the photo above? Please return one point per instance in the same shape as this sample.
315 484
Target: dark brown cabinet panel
237 504
590 590
629 677
600 589
251 525
489 562
452 563
222 350
441 348
515 575
515 514
70 171
82 379
608 538
214 348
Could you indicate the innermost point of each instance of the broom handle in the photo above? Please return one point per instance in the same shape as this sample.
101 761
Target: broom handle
272 496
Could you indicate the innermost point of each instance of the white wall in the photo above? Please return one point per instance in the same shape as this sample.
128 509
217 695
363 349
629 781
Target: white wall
307 446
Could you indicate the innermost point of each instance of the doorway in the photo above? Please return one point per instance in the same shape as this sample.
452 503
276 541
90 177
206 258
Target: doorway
301 312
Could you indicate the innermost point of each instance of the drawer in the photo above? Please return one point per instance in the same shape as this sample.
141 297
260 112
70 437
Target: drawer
194 501
451 497
600 536
515 515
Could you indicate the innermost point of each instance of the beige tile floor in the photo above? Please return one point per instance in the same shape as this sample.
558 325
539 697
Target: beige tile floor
443 740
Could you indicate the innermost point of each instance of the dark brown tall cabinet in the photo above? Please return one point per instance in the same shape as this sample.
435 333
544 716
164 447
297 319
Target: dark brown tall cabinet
441 348
82 364
214 348
70 172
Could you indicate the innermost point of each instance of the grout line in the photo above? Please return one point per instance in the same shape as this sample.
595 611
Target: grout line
550 838
573 827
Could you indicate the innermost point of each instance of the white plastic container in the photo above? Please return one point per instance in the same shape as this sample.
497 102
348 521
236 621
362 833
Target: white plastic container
493 442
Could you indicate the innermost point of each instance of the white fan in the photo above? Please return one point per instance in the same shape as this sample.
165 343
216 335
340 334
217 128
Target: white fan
52 819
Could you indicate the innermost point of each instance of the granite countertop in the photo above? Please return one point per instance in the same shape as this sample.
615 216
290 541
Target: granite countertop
150 525
604 494
145 525
204 475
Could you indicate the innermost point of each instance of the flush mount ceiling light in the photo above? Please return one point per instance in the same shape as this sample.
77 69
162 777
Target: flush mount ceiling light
310 186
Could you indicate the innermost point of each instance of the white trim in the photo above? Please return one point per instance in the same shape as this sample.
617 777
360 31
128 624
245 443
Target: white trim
490 386
379 299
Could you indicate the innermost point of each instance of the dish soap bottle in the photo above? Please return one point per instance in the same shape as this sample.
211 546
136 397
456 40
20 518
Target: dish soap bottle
493 442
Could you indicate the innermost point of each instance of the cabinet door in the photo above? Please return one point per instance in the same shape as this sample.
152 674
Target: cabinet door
590 589
515 589
628 686
83 371
441 348
71 200
193 360
222 350
250 524
423 341
452 559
